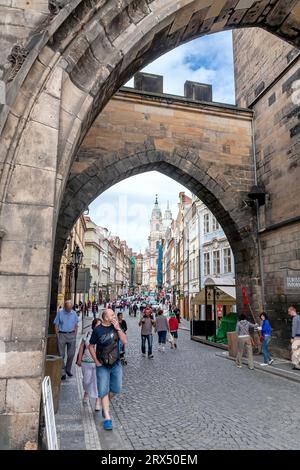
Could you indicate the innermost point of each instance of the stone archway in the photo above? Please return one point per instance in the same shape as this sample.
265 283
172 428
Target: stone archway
51 102
137 133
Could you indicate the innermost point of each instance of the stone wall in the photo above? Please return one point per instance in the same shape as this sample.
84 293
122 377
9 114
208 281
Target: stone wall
277 145
259 58
65 68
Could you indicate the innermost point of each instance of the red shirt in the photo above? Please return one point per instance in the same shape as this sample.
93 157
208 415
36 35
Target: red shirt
173 324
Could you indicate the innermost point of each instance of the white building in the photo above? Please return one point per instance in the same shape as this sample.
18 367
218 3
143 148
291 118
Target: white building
216 257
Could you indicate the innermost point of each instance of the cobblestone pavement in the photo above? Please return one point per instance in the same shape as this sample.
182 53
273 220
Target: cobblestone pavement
190 398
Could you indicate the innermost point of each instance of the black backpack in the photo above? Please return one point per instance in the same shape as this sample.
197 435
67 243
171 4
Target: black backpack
109 355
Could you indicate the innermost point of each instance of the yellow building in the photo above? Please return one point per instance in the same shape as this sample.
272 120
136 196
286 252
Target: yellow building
66 271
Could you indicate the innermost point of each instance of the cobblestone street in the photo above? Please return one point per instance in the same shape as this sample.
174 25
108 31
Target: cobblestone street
190 398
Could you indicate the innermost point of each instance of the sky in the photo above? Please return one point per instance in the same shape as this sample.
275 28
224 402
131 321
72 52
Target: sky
125 208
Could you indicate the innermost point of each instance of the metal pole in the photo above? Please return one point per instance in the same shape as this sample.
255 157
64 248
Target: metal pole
215 317
206 312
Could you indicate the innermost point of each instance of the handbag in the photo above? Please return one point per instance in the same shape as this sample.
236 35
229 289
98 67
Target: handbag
170 338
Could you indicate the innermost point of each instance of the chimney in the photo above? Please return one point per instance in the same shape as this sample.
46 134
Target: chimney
198 91
148 82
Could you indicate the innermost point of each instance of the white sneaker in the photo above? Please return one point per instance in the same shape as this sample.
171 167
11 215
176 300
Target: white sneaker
271 362
263 364
163 349
239 366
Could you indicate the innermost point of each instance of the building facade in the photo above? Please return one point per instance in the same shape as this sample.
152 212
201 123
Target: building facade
76 238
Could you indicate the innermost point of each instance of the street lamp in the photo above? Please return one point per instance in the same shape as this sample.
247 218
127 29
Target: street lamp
77 256
95 285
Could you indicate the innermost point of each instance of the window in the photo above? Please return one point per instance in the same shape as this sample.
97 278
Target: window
227 260
215 224
216 262
190 270
206 264
194 268
206 223
157 227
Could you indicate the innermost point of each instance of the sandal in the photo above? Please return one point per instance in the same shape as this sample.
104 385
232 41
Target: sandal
107 425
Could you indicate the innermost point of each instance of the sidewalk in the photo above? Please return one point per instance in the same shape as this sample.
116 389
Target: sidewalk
184 324
78 426
75 424
280 367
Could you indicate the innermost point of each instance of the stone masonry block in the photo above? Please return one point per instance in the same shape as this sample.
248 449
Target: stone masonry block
32 185
34 291
23 395
27 223
21 363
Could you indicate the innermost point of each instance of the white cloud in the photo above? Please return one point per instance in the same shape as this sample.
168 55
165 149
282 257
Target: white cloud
125 208
213 57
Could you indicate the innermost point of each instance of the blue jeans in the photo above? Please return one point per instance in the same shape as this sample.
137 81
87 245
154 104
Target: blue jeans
265 351
162 337
109 379
148 338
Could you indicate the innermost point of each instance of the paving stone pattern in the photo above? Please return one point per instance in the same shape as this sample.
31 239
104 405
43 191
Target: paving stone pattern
192 399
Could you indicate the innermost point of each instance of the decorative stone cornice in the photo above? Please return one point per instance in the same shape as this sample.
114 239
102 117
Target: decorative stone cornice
16 58
54 6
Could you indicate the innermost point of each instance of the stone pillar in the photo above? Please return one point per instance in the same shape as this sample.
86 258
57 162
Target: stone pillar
27 219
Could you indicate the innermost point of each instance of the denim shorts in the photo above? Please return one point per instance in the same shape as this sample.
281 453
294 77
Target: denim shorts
109 379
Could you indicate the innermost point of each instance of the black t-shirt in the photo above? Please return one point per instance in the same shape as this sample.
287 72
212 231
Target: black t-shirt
123 325
104 336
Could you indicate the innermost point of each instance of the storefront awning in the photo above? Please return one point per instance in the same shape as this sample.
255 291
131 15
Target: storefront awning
225 294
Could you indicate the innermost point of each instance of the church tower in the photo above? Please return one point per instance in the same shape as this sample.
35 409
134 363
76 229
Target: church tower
156 234
167 220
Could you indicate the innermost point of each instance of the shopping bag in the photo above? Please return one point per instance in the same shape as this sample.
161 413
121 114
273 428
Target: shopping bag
170 338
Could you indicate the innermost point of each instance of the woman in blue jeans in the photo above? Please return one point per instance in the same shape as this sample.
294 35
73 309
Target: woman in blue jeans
266 332
162 328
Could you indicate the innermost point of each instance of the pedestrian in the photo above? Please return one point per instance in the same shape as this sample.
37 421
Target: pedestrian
65 326
244 340
134 308
266 331
123 326
177 313
106 338
94 309
162 328
147 323
295 340
88 368
173 327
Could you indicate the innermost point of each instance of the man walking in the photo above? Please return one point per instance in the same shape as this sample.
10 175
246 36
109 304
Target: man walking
295 337
65 326
147 323
106 338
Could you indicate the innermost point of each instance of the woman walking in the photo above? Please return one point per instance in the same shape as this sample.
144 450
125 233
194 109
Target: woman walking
266 331
173 326
162 328
88 368
242 328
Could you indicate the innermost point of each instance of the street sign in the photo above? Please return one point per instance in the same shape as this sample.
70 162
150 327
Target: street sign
84 280
292 281
51 436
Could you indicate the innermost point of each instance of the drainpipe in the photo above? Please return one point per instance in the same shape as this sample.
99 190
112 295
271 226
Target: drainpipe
261 266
